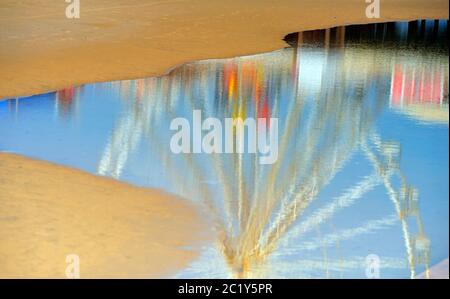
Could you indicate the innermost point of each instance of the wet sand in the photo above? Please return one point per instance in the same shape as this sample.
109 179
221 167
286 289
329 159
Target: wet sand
117 230
41 50
438 271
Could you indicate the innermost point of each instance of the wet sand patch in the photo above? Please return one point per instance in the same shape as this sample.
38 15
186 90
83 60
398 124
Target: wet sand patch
117 230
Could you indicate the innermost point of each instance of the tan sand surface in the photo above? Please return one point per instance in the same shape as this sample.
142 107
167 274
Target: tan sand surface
438 271
41 50
48 212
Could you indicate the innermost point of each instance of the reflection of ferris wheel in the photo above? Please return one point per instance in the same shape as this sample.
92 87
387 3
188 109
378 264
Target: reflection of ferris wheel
255 207
405 202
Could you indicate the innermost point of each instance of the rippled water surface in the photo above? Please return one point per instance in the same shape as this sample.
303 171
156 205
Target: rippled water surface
362 169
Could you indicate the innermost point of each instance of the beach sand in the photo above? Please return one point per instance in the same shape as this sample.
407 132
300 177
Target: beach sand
117 230
438 271
41 50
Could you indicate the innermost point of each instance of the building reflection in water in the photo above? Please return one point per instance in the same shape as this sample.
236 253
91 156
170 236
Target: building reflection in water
66 101
327 90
